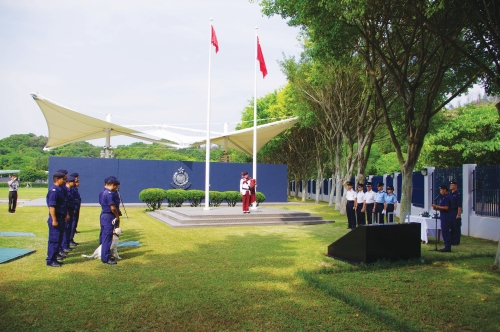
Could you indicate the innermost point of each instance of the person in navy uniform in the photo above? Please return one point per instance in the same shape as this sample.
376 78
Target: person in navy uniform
70 201
378 209
369 202
444 215
359 206
455 214
390 204
109 218
78 204
56 202
350 210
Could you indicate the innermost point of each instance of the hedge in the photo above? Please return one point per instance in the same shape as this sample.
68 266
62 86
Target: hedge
232 197
195 197
176 197
260 197
153 197
216 198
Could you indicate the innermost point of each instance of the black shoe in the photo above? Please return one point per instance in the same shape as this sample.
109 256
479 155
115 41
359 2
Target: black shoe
54 264
63 254
444 250
111 262
60 258
76 231
67 250
73 244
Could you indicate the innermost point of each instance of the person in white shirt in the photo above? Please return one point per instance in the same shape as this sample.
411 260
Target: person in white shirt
350 211
245 191
359 205
13 186
369 202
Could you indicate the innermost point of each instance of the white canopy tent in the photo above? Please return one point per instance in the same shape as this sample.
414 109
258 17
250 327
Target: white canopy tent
242 140
67 126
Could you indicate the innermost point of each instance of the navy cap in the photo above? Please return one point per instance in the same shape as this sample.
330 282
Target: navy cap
65 172
58 175
453 182
106 180
114 181
390 188
70 179
360 185
443 186
368 184
380 184
74 174
349 183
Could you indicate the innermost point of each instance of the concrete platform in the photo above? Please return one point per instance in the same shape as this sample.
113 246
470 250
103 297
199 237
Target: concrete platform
233 216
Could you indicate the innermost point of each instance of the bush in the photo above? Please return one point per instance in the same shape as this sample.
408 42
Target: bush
35 185
31 174
176 197
195 196
260 197
232 197
216 198
153 197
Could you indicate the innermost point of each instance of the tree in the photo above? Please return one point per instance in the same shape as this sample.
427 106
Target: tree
31 174
468 135
412 69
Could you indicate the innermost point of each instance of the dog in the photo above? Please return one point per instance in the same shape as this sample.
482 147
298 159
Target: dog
114 246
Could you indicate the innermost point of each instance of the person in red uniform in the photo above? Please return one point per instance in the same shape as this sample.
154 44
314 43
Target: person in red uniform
245 191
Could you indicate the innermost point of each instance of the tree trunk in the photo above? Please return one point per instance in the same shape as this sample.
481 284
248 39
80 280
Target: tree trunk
304 190
332 191
406 192
319 184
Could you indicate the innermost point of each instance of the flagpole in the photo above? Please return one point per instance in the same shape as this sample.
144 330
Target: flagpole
207 148
254 170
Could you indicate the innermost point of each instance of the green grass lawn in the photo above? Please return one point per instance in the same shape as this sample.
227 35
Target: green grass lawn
25 193
272 278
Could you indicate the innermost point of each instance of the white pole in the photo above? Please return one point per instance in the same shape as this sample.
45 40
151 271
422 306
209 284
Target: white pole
108 138
254 170
207 152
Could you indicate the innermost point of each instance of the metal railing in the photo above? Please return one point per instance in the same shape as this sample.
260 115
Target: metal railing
486 195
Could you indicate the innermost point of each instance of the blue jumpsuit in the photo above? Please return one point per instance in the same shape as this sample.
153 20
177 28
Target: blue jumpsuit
456 223
78 202
68 225
444 215
106 200
57 199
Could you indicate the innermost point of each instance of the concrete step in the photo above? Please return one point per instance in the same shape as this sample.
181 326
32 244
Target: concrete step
196 217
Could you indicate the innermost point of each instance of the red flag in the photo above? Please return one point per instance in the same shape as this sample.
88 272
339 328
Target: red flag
214 40
260 57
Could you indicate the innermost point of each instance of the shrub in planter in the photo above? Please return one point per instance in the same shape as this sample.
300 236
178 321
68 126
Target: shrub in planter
232 197
216 197
176 197
260 197
195 196
153 197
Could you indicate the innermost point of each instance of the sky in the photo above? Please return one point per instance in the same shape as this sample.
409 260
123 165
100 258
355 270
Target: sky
143 62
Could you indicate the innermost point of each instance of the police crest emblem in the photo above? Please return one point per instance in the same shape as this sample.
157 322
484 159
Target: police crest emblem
180 180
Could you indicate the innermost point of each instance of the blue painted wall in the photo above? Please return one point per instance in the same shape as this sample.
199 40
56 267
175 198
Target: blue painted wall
136 175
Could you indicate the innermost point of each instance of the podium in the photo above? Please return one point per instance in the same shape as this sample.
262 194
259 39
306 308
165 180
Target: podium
370 243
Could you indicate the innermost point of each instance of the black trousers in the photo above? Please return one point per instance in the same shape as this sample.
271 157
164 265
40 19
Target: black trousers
369 213
390 209
351 215
360 215
12 201
379 217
